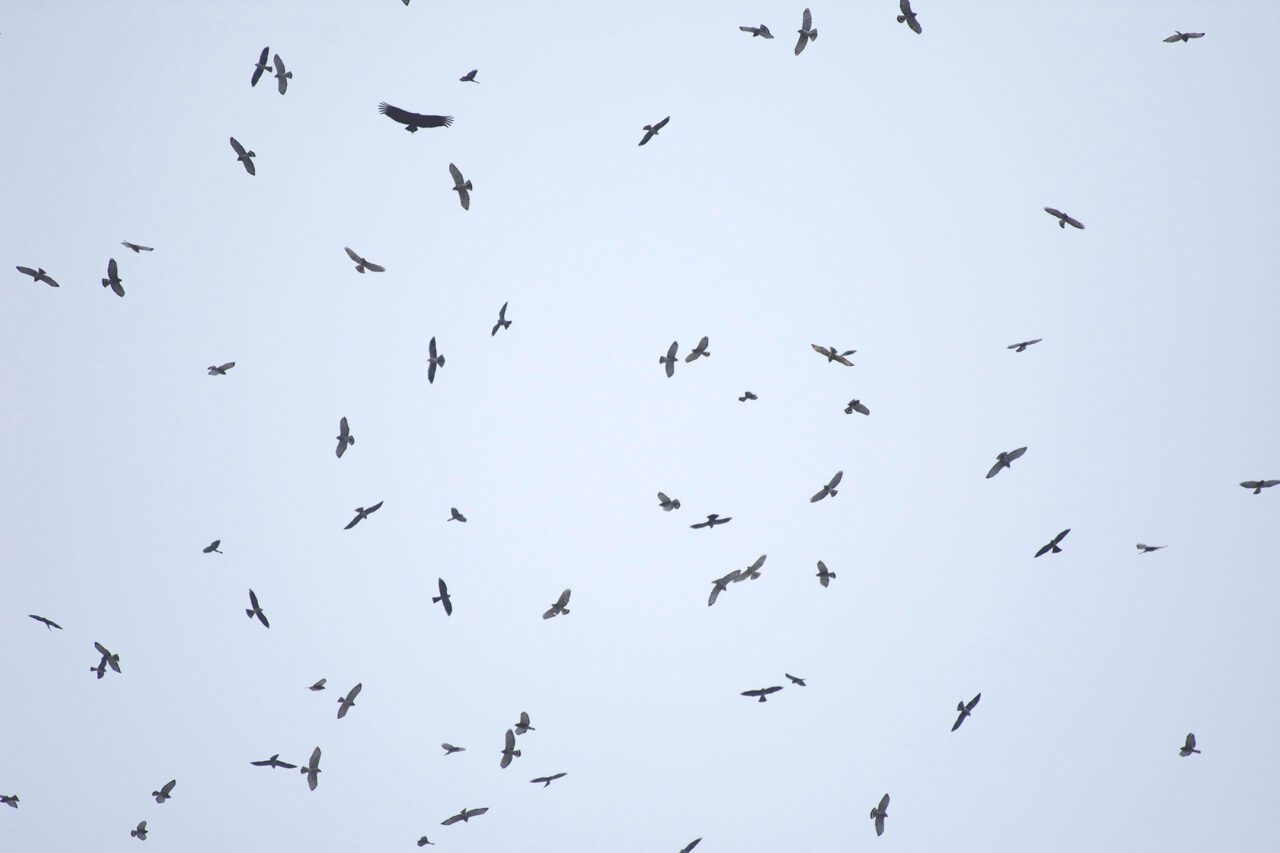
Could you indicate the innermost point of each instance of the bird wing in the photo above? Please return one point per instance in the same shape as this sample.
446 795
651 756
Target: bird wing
510 740
821 350
457 176
563 600
959 720
1063 535
819 496
352 255
835 481
260 67
29 271
835 356
239 149
648 134
464 197
879 824
1173 38
282 82
450 821
444 588
102 650
1266 484
692 844
1194 35
660 125
1073 222
355 691
1053 211
113 271
343 429
413 119
474 812
751 30
524 719
315 759
373 509
758 563
995 469
663 498
752 693
671 350
431 348
1015 454
972 703
774 689
227 366
1045 549
1191 741
168 787
861 409
253 599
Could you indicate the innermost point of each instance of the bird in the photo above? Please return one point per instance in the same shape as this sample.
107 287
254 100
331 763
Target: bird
245 157
1147 549
221 369
100 669
108 658
461 187
692 844
698 352
413 121
719 585
10 800
1182 37
282 77
1053 544
879 813
362 513
1063 219
454 515
1005 460
274 762
799 682
254 610
49 624
312 769
559 607
806 31
361 263
1021 346
113 279
651 130
450 749
346 703
752 572
509 750
522 725
345 438
433 361
747 395
669 360
38 274
135 247
1259 485
965 709
422 842
141 832
318 686
829 488
212 547
1189 746
824 576
833 355
464 816
503 322
443 598
908 17
761 31
763 692
547 780
163 793
856 406
469 77
712 521
667 504
260 66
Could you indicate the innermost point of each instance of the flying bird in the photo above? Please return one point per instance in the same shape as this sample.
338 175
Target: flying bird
799 682
509 750
1259 485
282 77
1182 37
312 769
1053 544
260 66
651 130
469 77
433 361
212 547
522 725
38 274
422 842
834 355
108 658
135 247
141 832
698 352
1147 549
1189 746
450 749
806 31
100 669
1021 346
345 438
719 585
829 488
274 762
763 692
670 359
254 610
454 515
461 187
361 263
443 598
1005 459
163 793
318 686
547 780
1063 219
362 513
908 17
11 800
712 520
464 816
245 157
824 576
221 369
761 31
965 709
752 572
747 395
692 844
346 703
113 279
879 813
49 624
503 322
559 607
856 406
413 121
667 503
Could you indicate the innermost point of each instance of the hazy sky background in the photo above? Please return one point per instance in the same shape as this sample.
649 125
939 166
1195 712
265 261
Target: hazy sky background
882 192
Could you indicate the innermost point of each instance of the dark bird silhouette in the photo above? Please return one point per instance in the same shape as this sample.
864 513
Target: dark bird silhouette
254 610
1053 544
829 489
282 76
345 438
140 832
100 669
503 322
1259 485
422 842
752 572
547 780
1004 459
763 692
38 274
879 813
667 503
245 157
712 520
212 547
450 749
806 31
522 725
761 31
560 606
260 66
965 709
362 513
108 658
669 360
461 187
346 703
1063 219
135 247
464 816
1021 346
454 515
699 351
113 279
799 682
692 844
49 624
361 263
221 369
163 793
651 130
318 686
413 121
824 576
908 17
833 354
273 762
434 360
747 395
1147 549
443 598
509 750
1182 37
856 406
1189 746
312 769
719 585
469 77
10 800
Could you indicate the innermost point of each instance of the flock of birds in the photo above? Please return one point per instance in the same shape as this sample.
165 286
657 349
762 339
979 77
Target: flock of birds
412 122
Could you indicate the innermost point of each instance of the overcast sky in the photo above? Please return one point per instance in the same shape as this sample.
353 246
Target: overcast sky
881 192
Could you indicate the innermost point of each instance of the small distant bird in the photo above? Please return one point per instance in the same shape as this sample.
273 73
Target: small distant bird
752 572
651 130
1259 485
763 692
221 369
908 17
824 576
1022 345
522 725
856 406
1053 544
469 77
38 274
833 355
454 515
245 157
464 816
318 686
829 488
692 844
712 520
282 77
346 703
312 770
503 322
433 361
1004 459
547 780
362 513
761 31
965 709
1189 746
49 624
345 438
212 547
667 503
698 352
422 842
100 669
461 187
560 607
141 832
135 247
1147 549
1182 37
450 749
163 793
719 585
413 121
509 750
11 800
260 66
113 279
879 813
254 610
361 263
108 658
273 762
1063 219
747 395
443 598
806 31
669 360
799 682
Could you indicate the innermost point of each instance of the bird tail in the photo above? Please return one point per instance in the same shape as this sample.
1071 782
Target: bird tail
106 283
901 18
960 706
467 185
1062 223
516 753
813 36
763 698
248 613
675 504
435 599
1057 550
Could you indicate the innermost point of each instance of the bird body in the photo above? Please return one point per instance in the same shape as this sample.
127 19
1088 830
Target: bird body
806 31
667 504
1147 549
1182 37
273 762
413 121
879 813
799 682
1189 746
49 624
856 406
522 725
503 322
1021 346
464 816
761 31
651 130
212 547
547 780
108 659
1259 485
719 585
318 686
10 800
361 263
469 77
454 515
221 369
824 576
135 247
140 832
747 395
669 360
38 274
260 66
312 769
450 749
434 360
699 351
833 354
163 793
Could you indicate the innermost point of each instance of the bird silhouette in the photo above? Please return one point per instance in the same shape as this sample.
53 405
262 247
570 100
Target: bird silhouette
712 521
1189 746
799 682
461 186
1259 485
747 395
113 279
1063 219
1021 346
1004 460
879 813
464 816
49 624
135 247
908 17
763 692
260 66
38 274
346 703
164 792
667 503
651 130
1053 544
413 121
255 610
245 157
965 710
547 780
829 489
1182 37
318 686
362 513
503 322
522 725
212 547
454 515
282 76
469 77
345 438
700 351
312 769
434 360
758 32
450 749
221 369
719 585
140 832
560 607
443 598
1147 549
669 360
361 264
832 354
273 762
824 576
509 750
806 31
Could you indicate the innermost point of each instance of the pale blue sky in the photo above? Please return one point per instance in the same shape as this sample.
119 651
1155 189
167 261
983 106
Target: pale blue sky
882 192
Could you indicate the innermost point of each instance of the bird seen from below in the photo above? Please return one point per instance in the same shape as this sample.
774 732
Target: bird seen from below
712 521
560 607
829 490
345 438
651 130
700 351
454 515
509 750
282 76
1182 37
434 360
547 780
318 686
806 31
879 813
38 275
1005 459
140 831
832 354
443 598
1063 219
135 247
413 121
719 585
1021 346
669 360
312 769
461 186
503 322
798 682
824 576
522 725
965 709
1147 549
273 762
856 406
667 504
260 66
464 816
762 693
212 547
1259 485
361 264
245 157
49 624
221 369
1188 746
747 395
469 77
758 32
346 703
1052 545
113 279
255 610
450 749
164 793
362 513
